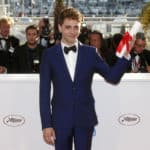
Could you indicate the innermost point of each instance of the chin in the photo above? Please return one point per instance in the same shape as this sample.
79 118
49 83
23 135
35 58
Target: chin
73 41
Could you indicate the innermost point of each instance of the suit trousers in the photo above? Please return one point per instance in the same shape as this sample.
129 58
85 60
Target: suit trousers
81 137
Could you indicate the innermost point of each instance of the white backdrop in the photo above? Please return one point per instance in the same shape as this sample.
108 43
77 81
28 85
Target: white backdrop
123 112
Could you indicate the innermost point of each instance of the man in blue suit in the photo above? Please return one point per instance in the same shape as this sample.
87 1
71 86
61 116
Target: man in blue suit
69 115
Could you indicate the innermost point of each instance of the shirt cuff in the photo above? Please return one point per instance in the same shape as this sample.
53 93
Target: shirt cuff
128 57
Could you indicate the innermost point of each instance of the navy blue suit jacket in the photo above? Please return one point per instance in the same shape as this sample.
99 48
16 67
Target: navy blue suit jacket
72 102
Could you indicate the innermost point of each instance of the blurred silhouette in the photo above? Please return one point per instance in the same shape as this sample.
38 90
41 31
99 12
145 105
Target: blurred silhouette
8 43
46 35
110 54
140 56
28 56
96 40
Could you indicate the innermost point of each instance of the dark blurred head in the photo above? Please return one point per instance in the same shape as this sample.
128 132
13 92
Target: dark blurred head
44 27
140 42
116 39
96 39
140 35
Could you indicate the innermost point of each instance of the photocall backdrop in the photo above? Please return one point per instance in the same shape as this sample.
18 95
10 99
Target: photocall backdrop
123 112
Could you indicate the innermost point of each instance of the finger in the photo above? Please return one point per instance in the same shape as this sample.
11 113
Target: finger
48 140
52 140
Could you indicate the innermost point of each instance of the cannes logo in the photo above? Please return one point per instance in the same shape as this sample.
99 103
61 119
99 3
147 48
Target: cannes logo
129 119
14 120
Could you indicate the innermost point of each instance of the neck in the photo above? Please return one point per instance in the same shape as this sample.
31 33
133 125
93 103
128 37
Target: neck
69 43
2 36
32 46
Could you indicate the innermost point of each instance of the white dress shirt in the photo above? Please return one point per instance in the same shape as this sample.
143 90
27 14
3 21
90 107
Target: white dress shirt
71 59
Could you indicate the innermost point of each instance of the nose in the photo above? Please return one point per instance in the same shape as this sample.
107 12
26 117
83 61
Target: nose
72 30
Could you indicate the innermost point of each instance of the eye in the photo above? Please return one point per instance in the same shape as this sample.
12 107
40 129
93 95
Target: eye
67 27
77 27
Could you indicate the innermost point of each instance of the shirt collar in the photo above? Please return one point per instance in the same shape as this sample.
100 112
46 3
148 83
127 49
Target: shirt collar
63 44
4 37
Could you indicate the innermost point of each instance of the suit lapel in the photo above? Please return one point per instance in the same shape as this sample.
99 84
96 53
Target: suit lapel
62 61
79 62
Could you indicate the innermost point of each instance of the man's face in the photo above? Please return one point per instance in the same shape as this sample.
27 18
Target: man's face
4 29
70 30
95 41
139 45
32 36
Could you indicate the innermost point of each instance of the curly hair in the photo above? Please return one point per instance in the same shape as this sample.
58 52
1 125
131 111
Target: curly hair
70 13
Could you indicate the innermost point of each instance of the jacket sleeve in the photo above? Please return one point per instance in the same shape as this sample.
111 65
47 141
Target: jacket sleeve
113 74
45 88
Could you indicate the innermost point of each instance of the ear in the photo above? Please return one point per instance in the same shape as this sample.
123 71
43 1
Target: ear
60 28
